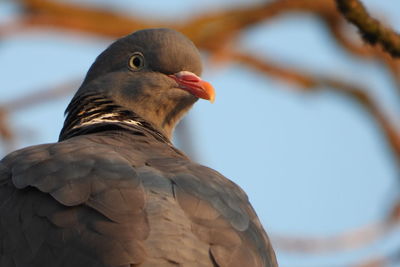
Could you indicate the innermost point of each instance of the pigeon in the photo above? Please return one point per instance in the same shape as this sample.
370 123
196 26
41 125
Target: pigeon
114 191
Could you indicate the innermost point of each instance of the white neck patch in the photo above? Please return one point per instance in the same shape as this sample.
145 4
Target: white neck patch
108 117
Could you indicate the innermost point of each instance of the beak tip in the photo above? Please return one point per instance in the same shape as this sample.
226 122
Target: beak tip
212 99
195 85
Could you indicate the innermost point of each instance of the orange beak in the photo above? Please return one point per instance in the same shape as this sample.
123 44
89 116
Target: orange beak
193 84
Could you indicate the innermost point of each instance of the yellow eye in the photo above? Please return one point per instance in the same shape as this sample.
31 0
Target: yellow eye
136 61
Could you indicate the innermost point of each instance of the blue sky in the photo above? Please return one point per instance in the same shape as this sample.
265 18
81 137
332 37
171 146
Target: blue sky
312 164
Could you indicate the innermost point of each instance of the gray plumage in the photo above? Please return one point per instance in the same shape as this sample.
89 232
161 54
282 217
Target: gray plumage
114 191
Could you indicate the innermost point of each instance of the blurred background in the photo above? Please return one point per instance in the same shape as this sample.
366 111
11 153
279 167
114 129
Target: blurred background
306 118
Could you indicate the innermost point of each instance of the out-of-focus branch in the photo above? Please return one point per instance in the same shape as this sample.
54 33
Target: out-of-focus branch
337 29
393 259
313 82
371 29
376 262
79 18
7 136
41 96
219 27
348 240
5 131
37 97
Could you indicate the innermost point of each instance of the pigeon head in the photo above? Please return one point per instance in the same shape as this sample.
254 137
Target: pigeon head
151 75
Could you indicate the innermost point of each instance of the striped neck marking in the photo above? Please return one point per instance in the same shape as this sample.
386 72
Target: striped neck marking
106 118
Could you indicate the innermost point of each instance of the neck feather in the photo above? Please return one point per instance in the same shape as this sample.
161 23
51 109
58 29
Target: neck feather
96 112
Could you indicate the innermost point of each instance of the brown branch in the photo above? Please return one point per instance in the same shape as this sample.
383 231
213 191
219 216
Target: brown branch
349 240
7 136
371 29
336 27
75 17
313 83
5 130
392 259
217 26
376 262
38 97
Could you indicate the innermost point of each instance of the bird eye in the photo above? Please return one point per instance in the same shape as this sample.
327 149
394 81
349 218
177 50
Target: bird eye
136 61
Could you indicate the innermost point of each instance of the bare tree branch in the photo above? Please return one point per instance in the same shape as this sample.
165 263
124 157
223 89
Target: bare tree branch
313 83
371 29
339 34
5 130
349 240
37 97
41 96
